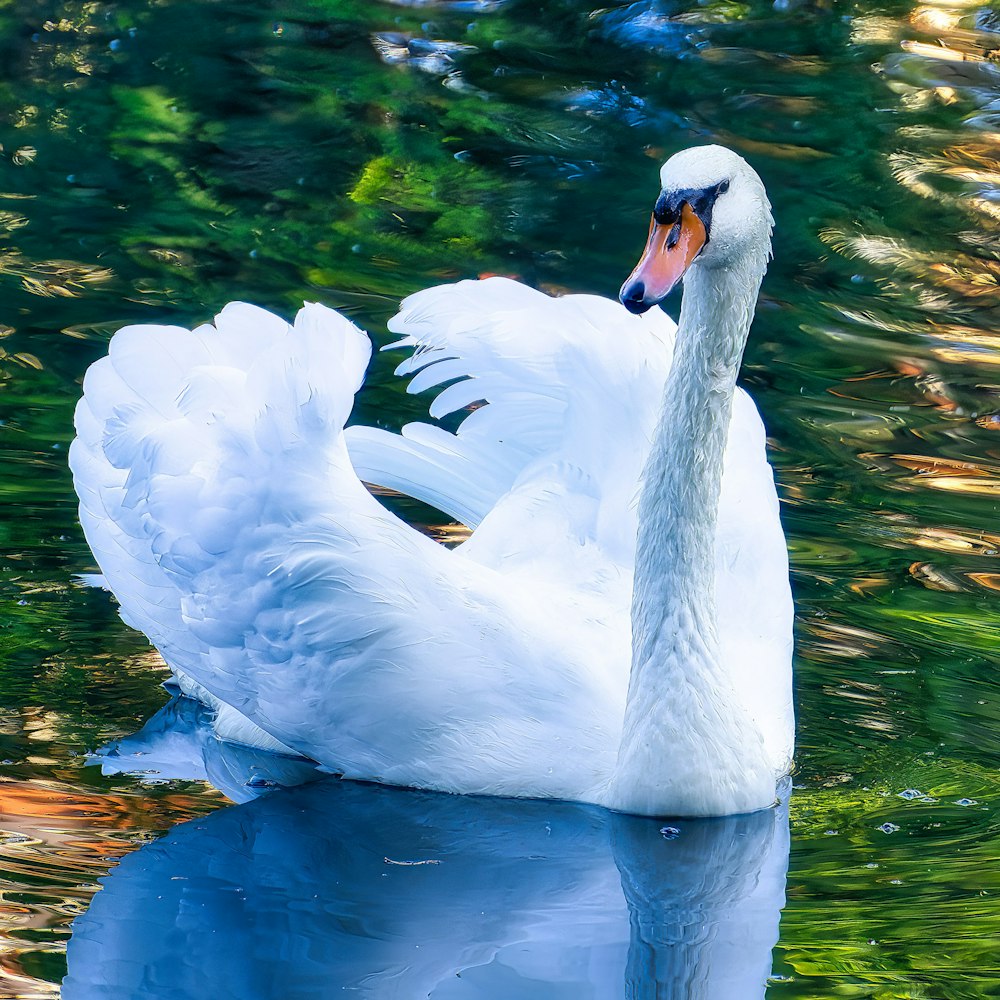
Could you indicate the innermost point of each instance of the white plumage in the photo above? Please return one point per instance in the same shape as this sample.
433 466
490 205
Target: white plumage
224 503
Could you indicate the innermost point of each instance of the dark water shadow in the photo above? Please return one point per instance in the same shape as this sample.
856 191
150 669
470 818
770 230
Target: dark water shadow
335 886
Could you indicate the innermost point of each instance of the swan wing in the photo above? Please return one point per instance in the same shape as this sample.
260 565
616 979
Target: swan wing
158 418
220 500
563 391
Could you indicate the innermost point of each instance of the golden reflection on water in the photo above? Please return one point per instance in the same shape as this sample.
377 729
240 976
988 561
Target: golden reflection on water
945 540
941 60
58 836
448 533
46 278
839 640
947 474
49 278
21 358
935 313
55 843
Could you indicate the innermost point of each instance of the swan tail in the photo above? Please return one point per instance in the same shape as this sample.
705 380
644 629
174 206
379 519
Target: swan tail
189 442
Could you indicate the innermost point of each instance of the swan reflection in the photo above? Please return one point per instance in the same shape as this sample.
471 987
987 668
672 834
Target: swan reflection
333 886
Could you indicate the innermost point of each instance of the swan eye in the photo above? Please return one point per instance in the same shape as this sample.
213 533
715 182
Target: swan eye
666 211
670 204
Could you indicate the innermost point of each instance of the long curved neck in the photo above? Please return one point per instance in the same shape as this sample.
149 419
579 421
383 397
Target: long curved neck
674 589
680 708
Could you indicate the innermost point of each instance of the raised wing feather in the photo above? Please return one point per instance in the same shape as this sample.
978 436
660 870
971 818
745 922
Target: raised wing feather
218 495
572 381
160 494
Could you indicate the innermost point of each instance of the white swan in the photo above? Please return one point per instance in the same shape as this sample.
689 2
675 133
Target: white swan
225 506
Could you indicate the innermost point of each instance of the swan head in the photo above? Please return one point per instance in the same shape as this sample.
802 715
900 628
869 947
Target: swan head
712 212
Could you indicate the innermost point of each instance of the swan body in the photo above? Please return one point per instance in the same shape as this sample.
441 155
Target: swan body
616 630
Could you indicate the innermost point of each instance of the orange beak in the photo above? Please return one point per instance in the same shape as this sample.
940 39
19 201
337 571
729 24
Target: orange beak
670 249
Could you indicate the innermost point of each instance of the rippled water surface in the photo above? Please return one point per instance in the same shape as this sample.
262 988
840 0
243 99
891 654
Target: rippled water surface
158 159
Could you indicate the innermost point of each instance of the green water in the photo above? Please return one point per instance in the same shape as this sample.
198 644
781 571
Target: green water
159 159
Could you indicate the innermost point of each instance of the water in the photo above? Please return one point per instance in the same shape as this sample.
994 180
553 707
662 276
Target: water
161 159
390 893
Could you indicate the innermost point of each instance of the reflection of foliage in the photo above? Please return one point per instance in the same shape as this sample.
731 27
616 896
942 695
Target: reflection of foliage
52 654
445 207
859 852
22 359
194 177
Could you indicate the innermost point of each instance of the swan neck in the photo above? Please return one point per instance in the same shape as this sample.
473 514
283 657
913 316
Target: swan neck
687 745
679 502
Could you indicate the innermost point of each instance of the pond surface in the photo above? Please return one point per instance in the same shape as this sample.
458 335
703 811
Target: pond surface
158 159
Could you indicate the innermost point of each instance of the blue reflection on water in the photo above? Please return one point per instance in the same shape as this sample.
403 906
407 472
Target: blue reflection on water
334 886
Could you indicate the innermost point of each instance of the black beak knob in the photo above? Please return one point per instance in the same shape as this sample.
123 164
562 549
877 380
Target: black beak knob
632 296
